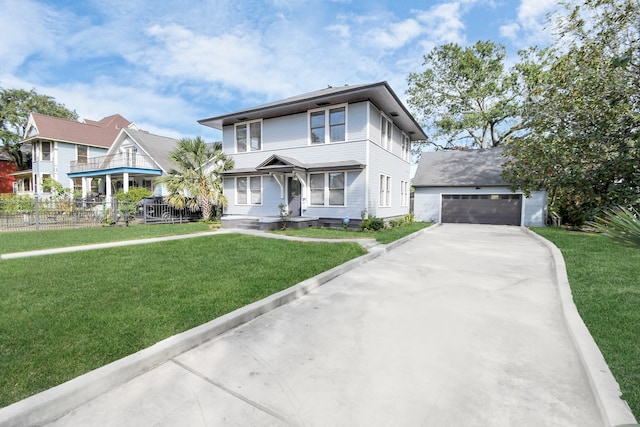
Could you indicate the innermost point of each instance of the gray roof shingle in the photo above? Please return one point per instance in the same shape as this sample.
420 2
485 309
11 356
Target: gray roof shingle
460 168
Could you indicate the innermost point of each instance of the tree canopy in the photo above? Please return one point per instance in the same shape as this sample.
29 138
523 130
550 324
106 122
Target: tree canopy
196 182
466 96
15 107
584 114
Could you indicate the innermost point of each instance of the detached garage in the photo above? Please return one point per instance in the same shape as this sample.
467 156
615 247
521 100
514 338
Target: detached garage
465 186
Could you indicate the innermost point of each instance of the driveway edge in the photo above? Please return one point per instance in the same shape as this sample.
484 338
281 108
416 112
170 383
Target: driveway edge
54 403
605 388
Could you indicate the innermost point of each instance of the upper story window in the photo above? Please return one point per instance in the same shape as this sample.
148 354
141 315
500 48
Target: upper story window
386 129
328 125
45 150
406 147
82 153
249 137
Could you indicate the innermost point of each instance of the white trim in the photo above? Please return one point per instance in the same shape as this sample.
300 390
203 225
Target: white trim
248 193
248 124
327 123
388 194
327 194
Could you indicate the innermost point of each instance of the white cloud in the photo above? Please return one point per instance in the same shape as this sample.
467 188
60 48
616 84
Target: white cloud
531 27
510 31
396 35
26 28
444 23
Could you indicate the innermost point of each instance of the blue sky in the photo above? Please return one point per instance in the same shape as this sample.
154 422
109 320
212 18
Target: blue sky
166 64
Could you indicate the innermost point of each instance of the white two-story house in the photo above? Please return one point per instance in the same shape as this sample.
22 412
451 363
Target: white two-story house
56 143
328 155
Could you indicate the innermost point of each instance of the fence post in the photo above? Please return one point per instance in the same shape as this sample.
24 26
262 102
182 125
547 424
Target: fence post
37 212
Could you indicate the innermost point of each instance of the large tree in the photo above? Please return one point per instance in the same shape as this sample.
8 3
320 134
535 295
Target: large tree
196 182
15 106
466 96
584 115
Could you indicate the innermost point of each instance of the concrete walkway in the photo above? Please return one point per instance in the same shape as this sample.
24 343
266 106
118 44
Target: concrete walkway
461 325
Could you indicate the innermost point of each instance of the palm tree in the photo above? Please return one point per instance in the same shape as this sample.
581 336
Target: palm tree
197 180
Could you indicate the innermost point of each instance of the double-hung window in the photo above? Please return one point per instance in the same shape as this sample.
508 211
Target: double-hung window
406 147
385 190
386 129
328 125
327 189
249 190
81 154
249 137
404 193
45 150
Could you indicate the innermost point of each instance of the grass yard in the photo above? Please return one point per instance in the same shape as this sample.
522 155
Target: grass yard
605 282
384 236
64 315
45 239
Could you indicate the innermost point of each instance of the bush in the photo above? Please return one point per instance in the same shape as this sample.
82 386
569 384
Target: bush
621 224
372 223
11 203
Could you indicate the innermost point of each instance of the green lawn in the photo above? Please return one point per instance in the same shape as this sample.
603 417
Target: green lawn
384 236
605 282
64 315
45 239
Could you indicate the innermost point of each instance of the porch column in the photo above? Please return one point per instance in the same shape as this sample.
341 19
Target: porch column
107 189
84 187
125 182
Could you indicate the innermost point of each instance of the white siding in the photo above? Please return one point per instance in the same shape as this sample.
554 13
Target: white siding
357 121
285 132
382 161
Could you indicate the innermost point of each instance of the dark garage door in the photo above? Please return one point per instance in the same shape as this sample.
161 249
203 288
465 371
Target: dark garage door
499 209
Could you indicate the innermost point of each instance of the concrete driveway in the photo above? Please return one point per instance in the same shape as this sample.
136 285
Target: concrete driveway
460 326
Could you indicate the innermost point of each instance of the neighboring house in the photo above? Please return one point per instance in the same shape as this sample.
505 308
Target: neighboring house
466 186
135 158
7 169
55 143
325 156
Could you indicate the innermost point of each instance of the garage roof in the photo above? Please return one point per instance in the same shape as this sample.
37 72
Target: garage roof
460 168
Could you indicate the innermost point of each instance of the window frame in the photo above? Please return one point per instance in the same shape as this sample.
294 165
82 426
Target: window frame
385 184
248 124
50 144
86 156
406 147
386 132
326 189
248 191
404 193
328 125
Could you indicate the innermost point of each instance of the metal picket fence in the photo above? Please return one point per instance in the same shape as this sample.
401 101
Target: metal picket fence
54 214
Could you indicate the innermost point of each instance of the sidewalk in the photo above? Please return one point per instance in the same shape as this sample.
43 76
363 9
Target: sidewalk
445 329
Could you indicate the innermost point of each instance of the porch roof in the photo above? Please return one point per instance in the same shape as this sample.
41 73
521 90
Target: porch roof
282 164
115 171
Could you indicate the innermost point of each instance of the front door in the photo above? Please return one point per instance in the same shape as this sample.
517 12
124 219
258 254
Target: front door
293 196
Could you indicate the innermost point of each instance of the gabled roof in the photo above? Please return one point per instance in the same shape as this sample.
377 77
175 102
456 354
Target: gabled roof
115 120
460 168
155 146
98 134
380 94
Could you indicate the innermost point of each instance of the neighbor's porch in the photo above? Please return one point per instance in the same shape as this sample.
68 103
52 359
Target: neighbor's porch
116 172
